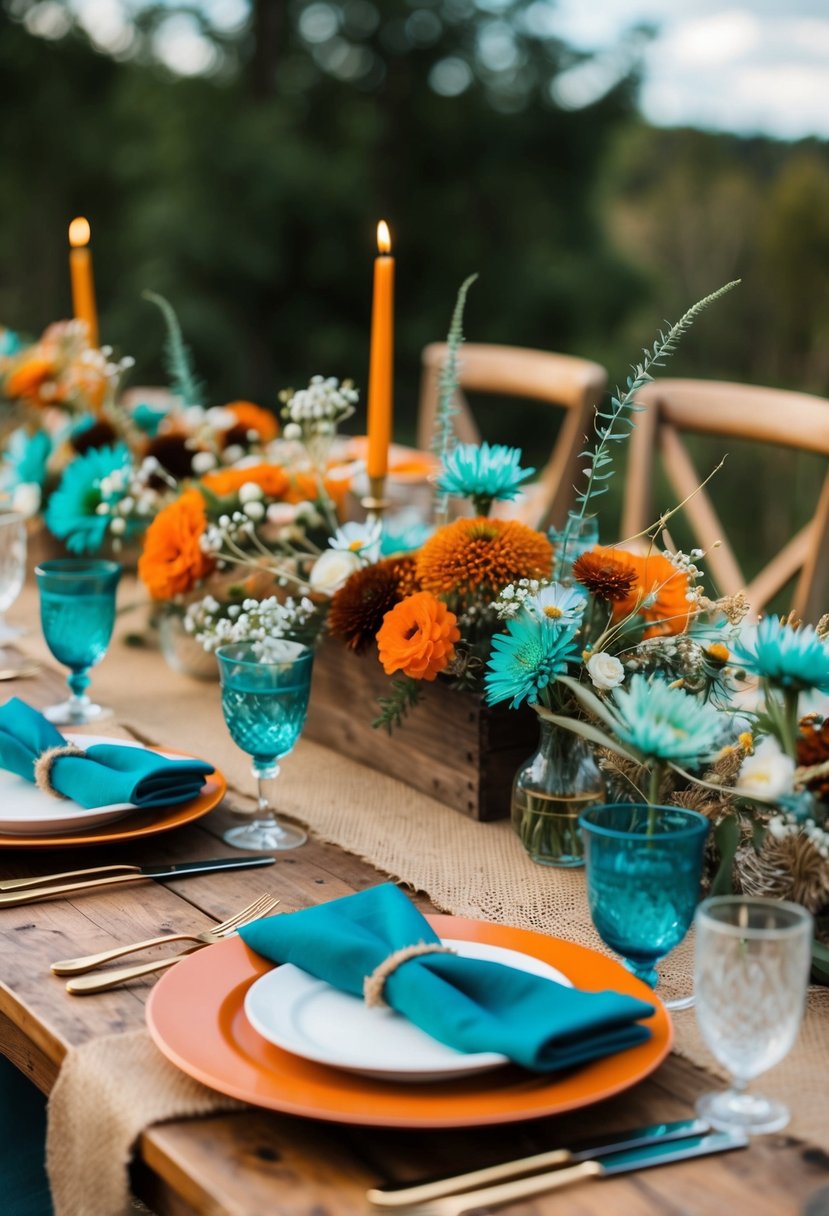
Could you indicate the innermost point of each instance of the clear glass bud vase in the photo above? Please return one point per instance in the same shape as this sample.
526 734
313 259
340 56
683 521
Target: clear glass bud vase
558 782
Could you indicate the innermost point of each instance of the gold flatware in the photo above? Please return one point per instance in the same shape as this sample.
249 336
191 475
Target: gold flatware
23 894
87 984
77 966
19 673
19 884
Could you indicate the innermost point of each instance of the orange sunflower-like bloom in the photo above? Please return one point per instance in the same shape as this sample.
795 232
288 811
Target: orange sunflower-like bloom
357 610
604 576
27 378
658 593
418 637
271 479
481 556
250 417
173 560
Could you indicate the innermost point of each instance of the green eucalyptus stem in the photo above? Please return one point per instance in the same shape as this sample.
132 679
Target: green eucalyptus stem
654 783
791 720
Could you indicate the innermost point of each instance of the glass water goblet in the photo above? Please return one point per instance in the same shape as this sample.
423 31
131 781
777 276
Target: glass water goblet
77 615
644 867
264 702
752 969
12 568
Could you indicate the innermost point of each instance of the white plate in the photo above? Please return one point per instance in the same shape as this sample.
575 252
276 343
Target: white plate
27 811
311 1019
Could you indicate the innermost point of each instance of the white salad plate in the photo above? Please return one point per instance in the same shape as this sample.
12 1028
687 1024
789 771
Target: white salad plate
309 1018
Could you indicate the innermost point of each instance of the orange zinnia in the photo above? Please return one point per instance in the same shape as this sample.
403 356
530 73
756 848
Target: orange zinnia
418 637
481 556
658 595
173 560
253 418
27 379
271 478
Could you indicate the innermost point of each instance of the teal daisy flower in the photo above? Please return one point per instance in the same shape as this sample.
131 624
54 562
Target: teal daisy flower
25 458
665 723
526 658
483 473
788 657
79 510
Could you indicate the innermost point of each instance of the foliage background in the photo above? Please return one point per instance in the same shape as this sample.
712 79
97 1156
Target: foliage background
249 195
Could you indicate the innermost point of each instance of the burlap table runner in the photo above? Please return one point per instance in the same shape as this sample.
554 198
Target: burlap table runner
467 868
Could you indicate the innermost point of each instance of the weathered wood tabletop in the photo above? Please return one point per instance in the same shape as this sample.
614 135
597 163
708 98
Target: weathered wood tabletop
257 1163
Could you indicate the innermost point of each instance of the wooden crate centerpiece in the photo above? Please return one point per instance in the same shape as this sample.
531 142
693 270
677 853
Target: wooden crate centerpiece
452 745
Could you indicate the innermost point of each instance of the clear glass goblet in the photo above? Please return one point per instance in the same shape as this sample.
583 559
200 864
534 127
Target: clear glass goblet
265 702
77 615
644 867
12 568
752 968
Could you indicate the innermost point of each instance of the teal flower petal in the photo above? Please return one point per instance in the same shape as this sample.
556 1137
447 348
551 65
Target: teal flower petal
474 470
72 513
786 656
527 658
666 723
25 459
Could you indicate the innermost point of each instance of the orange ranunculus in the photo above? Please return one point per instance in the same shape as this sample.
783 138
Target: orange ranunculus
271 478
477 557
305 487
27 378
418 637
658 593
173 560
253 418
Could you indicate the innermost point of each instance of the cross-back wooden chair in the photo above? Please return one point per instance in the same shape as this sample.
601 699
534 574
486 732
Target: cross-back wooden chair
572 384
791 420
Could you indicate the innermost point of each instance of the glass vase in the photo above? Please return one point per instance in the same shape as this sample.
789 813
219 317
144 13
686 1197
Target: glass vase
576 537
181 651
559 781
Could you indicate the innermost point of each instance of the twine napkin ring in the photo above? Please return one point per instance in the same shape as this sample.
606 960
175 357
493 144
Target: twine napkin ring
43 767
374 984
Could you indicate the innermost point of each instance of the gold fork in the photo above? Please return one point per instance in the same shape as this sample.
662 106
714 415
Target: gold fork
77 966
505 1192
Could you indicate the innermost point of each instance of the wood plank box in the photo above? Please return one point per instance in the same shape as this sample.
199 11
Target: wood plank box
451 746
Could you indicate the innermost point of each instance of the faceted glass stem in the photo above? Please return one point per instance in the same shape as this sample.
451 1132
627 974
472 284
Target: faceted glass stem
265 834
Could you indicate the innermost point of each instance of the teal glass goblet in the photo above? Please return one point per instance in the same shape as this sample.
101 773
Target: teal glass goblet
644 867
264 702
77 615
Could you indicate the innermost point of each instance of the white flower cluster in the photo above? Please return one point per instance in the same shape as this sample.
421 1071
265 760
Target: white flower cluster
511 599
231 529
319 408
126 494
781 826
259 622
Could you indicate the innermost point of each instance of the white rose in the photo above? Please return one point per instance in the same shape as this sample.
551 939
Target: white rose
769 773
26 499
332 569
605 670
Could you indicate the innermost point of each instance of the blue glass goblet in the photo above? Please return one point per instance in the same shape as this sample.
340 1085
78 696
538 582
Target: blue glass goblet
77 615
644 866
264 702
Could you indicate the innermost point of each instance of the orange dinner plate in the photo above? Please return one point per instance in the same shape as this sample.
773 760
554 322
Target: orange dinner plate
196 1018
133 825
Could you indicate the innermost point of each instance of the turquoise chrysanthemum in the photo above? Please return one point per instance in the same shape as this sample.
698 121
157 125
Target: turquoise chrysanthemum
558 603
666 723
481 471
25 458
527 658
72 513
786 656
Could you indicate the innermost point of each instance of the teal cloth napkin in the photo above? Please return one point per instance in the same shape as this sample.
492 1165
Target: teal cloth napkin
108 773
469 1004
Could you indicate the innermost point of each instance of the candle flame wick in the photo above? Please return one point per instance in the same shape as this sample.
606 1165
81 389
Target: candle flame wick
79 232
383 237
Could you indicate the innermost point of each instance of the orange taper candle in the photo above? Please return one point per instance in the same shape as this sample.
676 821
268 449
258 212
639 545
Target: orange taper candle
83 286
380 373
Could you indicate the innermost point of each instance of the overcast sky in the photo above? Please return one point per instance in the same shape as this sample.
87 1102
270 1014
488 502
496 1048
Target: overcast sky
748 66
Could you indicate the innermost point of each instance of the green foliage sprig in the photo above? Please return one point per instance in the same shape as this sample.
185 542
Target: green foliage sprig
177 358
615 423
444 433
405 694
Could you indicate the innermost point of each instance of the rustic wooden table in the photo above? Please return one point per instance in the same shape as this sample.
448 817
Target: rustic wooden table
257 1163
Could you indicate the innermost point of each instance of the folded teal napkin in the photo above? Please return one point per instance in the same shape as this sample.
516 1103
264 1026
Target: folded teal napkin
107 773
469 1004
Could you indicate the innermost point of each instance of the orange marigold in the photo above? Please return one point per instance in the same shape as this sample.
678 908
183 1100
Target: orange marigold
482 556
271 478
173 560
418 637
250 417
658 594
27 378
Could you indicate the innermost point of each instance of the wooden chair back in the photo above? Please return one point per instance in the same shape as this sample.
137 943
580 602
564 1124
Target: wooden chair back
791 420
575 385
